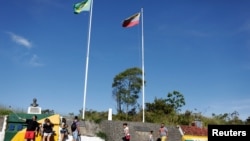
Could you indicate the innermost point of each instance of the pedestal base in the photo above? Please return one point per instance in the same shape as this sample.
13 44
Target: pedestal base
34 110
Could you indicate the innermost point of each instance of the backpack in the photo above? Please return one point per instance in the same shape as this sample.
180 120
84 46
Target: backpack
73 126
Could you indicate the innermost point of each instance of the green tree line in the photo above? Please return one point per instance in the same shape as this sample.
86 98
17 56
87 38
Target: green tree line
127 87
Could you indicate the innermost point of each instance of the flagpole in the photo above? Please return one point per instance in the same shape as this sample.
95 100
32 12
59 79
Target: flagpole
143 91
87 62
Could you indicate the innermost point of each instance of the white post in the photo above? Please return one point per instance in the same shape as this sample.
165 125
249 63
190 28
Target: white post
143 113
87 62
110 114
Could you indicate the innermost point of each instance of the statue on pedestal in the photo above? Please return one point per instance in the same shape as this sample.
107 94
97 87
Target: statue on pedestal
34 104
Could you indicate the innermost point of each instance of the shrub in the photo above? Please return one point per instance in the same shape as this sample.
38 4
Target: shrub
102 135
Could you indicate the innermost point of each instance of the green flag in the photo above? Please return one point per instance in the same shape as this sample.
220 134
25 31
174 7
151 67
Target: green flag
82 6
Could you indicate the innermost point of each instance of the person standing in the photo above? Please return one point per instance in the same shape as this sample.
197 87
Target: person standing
150 136
47 130
163 132
126 132
41 128
32 128
64 129
75 128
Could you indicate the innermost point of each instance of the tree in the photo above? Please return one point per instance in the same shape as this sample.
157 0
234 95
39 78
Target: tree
118 99
126 88
235 118
5 111
47 111
185 118
175 100
248 120
157 110
71 114
159 106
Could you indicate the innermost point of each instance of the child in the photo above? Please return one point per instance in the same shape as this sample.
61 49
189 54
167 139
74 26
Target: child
126 132
150 137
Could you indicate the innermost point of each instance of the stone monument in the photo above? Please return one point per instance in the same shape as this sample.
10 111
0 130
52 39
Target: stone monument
33 108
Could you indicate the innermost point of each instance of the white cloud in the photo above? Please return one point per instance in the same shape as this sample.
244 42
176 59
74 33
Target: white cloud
20 40
34 61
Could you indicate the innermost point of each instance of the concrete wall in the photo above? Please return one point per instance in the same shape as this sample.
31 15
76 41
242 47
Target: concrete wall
139 131
114 130
3 122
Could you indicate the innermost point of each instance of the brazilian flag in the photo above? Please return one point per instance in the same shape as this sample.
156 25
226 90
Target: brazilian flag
82 6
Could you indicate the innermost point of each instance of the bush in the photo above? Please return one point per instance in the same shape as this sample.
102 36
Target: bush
4 111
102 135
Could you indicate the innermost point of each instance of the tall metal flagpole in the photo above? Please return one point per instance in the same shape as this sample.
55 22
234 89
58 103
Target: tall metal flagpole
87 62
143 104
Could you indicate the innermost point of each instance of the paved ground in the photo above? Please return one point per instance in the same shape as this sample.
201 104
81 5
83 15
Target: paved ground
86 138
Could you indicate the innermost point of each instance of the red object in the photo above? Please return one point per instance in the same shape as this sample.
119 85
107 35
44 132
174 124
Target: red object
29 135
127 137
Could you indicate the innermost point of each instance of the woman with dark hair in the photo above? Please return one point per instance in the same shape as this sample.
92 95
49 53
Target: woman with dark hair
64 129
47 130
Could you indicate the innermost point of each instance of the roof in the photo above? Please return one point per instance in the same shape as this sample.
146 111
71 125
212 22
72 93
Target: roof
194 130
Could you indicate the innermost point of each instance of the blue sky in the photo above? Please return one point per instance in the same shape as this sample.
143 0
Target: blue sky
197 47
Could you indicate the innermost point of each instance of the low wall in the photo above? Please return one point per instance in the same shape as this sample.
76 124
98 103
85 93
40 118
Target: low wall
3 122
139 131
15 128
112 129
